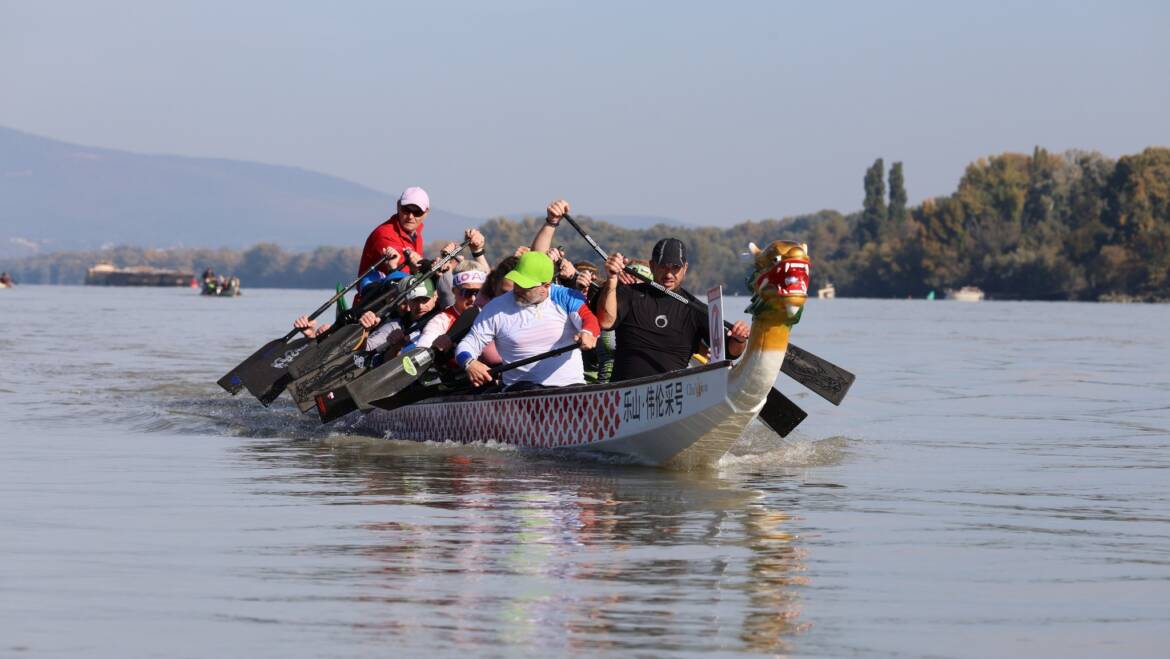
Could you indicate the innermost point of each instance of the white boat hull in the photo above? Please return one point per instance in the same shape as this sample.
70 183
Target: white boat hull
683 419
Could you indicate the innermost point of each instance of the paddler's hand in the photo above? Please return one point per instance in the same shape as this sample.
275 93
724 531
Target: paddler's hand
586 340
521 251
443 253
393 257
584 278
397 338
738 334
443 343
568 271
306 326
475 239
478 373
614 267
555 211
369 320
414 257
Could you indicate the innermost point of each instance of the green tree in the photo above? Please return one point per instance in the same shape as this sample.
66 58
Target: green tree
897 211
873 212
1137 212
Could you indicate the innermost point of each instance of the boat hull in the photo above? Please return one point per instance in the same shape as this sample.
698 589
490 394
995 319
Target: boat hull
682 419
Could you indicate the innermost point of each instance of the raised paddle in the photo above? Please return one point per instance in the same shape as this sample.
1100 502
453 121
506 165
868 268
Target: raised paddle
824 378
340 338
267 364
388 379
332 364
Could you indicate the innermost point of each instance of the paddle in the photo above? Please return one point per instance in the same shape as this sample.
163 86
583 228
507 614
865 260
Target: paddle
394 402
264 366
503 368
824 378
386 380
781 414
340 339
333 362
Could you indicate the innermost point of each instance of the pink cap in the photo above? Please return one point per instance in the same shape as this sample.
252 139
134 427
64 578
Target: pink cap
416 196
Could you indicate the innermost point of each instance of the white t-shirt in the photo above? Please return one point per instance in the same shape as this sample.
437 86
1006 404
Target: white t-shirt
524 331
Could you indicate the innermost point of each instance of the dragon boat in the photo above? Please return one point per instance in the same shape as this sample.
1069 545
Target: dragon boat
683 419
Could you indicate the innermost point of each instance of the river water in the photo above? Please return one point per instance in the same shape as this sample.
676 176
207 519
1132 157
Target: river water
996 483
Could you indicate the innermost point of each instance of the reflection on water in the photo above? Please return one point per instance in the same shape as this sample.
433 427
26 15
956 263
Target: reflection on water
480 548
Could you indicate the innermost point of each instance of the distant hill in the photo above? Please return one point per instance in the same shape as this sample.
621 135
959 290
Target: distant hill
627 221
59 196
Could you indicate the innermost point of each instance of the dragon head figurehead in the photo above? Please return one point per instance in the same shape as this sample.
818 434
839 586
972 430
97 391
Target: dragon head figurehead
779 282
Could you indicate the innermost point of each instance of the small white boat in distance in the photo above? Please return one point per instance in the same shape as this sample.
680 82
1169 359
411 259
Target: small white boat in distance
966 294
826 292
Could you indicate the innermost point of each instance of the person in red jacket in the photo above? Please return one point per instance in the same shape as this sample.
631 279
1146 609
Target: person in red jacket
402 232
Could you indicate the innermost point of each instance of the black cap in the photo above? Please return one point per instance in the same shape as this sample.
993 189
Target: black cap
669 250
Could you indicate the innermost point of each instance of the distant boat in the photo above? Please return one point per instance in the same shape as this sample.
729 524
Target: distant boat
221 286
826 292
966 294
105 274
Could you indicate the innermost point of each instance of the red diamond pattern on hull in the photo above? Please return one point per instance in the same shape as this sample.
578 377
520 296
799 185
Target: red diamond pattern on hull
542 421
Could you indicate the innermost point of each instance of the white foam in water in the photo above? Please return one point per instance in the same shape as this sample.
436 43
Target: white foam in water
759 447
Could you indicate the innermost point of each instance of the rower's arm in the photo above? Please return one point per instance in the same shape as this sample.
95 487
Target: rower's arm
543 240
606 304
482 332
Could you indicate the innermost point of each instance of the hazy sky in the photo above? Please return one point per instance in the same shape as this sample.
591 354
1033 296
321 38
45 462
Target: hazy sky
710 113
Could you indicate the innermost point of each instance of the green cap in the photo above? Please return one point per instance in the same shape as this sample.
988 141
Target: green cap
533 269
425 289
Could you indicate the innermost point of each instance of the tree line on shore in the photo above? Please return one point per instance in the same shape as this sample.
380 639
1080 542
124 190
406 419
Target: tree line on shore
1073 226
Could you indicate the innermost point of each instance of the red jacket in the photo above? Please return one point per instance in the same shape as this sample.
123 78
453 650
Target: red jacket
390 234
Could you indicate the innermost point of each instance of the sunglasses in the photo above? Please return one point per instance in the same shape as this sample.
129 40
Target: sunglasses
468 292
413 210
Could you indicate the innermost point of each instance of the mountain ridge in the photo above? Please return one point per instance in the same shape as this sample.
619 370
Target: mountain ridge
62 196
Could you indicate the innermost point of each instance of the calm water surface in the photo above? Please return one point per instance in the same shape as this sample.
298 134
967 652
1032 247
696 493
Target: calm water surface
997 483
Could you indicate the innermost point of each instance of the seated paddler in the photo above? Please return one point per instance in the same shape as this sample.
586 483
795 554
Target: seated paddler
537 316
655 332
467 281
387 338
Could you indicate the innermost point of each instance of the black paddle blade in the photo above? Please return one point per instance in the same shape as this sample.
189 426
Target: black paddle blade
781 414
273 392
389 378
334 405
268 364
822 377
234 380
330 376
231 382
343 341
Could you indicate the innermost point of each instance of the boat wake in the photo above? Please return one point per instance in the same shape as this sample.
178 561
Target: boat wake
760 447
238 417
